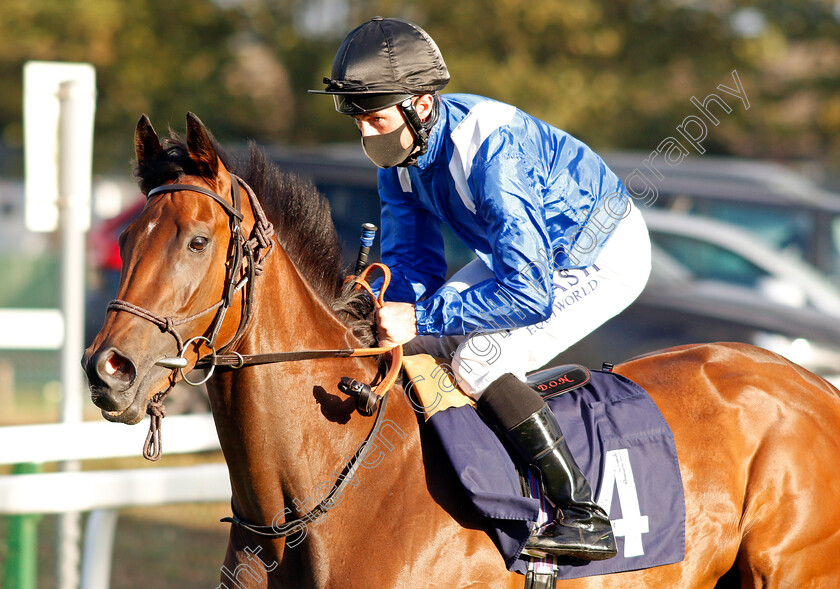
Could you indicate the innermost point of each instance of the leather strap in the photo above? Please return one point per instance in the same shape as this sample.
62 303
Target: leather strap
348 473
233 212
240 360
236 360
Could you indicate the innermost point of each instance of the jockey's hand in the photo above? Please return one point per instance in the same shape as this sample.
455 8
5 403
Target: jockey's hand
395 324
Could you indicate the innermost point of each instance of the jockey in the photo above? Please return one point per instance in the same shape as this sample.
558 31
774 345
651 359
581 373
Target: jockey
560 247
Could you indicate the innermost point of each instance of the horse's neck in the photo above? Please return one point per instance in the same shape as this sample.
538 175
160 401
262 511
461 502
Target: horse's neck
285 428
287 434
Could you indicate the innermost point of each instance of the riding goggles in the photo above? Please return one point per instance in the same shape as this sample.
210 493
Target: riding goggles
348 104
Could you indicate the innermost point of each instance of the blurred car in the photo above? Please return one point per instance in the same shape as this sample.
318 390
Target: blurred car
674 309
779 206
717 252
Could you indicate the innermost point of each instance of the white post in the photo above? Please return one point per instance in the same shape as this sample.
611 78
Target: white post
73 273
59 105
72 253
99 549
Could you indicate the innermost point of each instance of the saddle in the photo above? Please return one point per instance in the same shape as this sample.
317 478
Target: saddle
619 439
558 380
435 389
431 382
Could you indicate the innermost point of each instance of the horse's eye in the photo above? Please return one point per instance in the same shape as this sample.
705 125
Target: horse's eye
199 243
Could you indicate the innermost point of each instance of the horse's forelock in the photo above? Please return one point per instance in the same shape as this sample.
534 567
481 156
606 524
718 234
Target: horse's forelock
171 163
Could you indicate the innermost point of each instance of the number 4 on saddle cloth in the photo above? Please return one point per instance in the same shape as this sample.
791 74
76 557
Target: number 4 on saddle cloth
618 438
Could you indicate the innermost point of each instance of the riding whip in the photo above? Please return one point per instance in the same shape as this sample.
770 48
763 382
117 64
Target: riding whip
366 240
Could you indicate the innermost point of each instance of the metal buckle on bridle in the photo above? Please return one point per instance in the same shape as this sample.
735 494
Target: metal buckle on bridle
241 360
212 365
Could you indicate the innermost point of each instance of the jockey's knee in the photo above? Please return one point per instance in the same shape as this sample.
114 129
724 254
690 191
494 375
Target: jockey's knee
477 362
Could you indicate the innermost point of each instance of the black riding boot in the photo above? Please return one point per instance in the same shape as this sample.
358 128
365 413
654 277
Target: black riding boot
581 528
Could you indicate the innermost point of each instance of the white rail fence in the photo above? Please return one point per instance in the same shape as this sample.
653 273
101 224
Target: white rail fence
105 491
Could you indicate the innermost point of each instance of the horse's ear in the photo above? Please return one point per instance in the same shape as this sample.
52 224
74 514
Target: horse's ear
201 147
146 142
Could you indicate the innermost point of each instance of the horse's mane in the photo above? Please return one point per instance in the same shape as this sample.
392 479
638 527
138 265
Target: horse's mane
300 214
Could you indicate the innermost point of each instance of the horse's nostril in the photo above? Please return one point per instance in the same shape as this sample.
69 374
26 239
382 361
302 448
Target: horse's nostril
117 363
117 369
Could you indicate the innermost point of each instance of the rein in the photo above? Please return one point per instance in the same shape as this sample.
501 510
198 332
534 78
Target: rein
378 399
331 500
252 253
236 360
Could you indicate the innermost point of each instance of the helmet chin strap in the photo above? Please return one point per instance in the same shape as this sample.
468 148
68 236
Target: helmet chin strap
417 128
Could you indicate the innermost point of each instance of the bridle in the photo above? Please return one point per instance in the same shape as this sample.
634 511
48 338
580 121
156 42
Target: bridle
250 253
245 263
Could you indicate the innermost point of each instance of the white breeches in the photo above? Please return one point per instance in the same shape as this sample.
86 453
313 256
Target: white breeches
583 300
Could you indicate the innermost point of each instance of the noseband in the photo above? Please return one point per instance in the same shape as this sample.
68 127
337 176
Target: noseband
245 263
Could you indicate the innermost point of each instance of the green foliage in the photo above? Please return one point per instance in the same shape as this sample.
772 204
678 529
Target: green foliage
617 73
152 56
20 272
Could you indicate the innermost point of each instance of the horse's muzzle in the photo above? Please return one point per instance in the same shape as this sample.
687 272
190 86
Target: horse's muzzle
110 374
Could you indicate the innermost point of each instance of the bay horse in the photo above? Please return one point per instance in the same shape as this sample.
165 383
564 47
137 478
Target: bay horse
758 437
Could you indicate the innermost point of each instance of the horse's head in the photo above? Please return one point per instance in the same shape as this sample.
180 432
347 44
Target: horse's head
181 266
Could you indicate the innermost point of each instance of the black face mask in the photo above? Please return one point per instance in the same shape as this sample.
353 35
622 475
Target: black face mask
385 150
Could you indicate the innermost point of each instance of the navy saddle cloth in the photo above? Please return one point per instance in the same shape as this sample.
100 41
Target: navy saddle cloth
621 443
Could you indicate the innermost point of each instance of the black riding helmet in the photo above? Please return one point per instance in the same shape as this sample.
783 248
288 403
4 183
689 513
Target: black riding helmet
382 63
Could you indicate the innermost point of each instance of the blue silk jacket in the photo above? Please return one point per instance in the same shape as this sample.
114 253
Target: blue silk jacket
526 197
